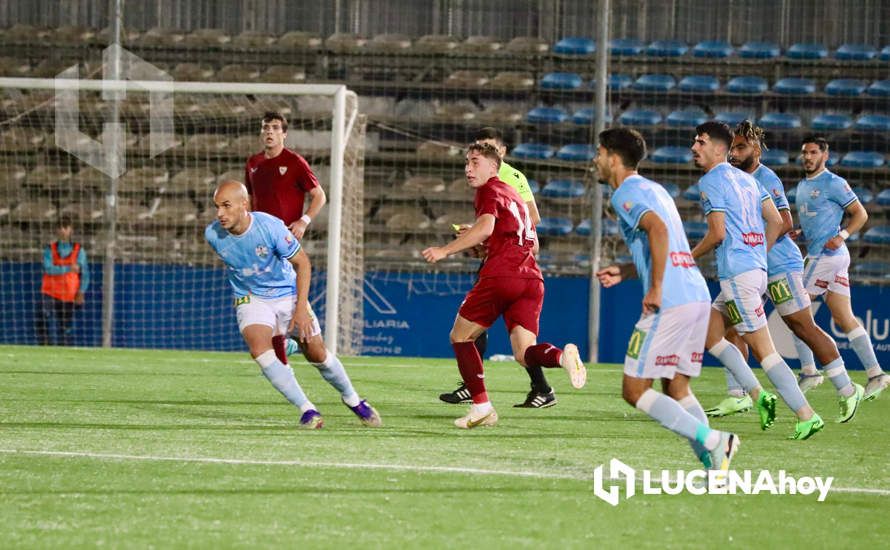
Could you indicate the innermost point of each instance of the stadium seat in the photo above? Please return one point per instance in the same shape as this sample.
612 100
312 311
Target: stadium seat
159 37
879 234
871 269
339 42
584 117
732 118
501 112
537 151
845 87
879 88
467 79
576 152
455 111
512 80
564 189
575 45
856 52
626 46
10 66
712 48
561 81
205 38
791 195
672 154
303 40
885 53
655 83
760 50
174 211
435 43
546 115
534 187
237 73
191 72
554 226
479 45
864 193
284 74
388 43
73 35
779 121
873 123
699 84
686 118
207 143
834 158
746 85
610 228
774 158
695 230
828 121
863 159
527 45
253 39
796 86
692 193
883 198
667 48
618 82
146 179
673 189
33 210
807 51
200 180
423 184
411 220
640 117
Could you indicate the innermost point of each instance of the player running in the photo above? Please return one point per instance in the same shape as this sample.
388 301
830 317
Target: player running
261 256
510 284
669 339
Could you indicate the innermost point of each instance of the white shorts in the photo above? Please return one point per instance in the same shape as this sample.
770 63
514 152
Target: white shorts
741 300
823 273
668 342
787 292
271 312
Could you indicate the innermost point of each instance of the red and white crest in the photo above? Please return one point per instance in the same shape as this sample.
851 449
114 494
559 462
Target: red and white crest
282 170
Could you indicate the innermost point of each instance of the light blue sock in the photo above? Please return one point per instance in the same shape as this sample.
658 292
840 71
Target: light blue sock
861 344
837 373
671 415
735 363
779 373
691 405
805 355
332 370
732 385
282 377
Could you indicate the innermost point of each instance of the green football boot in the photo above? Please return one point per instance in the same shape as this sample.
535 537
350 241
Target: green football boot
731 405
849 405
804 429
766 409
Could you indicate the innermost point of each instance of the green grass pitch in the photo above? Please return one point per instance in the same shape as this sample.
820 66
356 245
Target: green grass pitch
127 448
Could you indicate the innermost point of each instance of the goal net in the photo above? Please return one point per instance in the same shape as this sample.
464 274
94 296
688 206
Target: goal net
154 282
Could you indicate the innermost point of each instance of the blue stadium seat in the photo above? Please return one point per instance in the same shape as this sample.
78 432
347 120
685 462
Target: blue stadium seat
640 117
576 152
610 228
873 123
879 88
885 53
619 82
692 193
672 154
807 51
797 86
695 230
564 189
863 159
712 48
830 121
699 84
561 81
686 118
856 52
575 45
533 186
760 50
606 191
546 115
626 46
673 189
876 269
779 121
537 151
746 85
834 158
879 234
845 87
584 116
732 118
667 48
553 226
774 158
864 193
655 83
883 198
584 228
791 195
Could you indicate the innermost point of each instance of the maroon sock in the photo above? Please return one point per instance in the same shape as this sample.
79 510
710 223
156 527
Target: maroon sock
278 346
543 355
470 365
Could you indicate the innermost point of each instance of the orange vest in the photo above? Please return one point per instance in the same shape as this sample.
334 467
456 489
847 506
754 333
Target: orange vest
64 286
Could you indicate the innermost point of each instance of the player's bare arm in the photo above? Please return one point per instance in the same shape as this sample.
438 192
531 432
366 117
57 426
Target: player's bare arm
319 199
714 236
301 319
614 274
774 223
475 235
657 232
533 212
858 217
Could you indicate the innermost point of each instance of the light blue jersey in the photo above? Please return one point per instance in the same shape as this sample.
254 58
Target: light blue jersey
257 259
735 193
683 282
784 256
821 202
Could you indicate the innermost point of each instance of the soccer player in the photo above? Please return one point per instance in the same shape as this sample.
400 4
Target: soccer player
261 256
785 283
510 284
669 339
278 180
541 395
822 200
735 208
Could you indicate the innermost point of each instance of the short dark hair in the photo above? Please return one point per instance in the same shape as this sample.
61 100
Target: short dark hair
717 131
489 132
627 143
486 150
275 115
65 221
751 132
818 140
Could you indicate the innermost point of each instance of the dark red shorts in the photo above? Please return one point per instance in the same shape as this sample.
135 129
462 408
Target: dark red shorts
518 300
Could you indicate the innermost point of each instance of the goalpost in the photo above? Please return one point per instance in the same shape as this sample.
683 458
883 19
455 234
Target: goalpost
134 163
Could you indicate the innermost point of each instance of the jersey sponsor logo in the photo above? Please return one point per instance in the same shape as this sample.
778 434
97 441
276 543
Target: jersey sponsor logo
776 193
821 284
240 301
635 344
752 239
814 194
282 170
262 251
252 170
682 259
759 311
842 280
667 360
779 291
289 239
627 206
698 357
732 311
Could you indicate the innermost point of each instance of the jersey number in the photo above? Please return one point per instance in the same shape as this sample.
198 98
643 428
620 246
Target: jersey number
525 230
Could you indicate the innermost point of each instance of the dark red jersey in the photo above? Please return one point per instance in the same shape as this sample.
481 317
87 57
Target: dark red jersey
509 248
278 185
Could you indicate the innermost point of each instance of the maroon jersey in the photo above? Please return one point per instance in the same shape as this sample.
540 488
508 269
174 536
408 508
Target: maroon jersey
509 248
278 185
